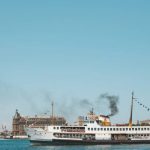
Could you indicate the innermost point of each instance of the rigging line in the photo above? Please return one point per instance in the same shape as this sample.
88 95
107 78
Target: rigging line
141 104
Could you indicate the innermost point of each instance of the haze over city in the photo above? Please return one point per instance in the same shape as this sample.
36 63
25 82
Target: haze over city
71 52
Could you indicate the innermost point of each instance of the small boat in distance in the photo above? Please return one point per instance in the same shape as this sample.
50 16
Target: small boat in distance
90 130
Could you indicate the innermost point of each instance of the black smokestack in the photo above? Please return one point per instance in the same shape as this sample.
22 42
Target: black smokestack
113 101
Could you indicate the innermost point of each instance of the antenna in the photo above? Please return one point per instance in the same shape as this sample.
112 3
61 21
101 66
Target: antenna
92 111
52 109
52 104
130 120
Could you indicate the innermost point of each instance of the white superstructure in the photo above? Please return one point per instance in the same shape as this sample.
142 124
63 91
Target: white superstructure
93 128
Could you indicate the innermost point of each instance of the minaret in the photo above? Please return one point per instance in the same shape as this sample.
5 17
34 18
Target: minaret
130 120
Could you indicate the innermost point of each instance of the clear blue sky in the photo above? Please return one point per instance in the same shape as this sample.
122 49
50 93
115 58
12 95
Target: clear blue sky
73 50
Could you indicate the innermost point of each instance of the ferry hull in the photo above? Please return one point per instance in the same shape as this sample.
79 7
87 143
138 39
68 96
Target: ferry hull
58 142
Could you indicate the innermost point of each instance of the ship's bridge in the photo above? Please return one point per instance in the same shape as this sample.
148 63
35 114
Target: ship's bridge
92 118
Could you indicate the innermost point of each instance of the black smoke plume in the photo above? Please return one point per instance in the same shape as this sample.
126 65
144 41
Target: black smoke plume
85 103
113 101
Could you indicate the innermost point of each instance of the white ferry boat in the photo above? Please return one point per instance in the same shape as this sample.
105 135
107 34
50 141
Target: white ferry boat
90 130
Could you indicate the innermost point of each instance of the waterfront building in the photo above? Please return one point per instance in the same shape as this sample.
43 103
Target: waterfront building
19 122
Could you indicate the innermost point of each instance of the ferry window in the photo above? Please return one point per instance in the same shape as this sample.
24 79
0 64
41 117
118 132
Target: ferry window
102 129
139 129
110 129
132 129
120 129
54 128
114 129
126 129
144 128
57 128
135 129
147 128
95 129
98 129
107 129
92 129
123 129
88 128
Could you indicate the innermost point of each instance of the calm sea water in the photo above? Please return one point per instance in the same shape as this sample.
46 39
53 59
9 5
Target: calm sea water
25 145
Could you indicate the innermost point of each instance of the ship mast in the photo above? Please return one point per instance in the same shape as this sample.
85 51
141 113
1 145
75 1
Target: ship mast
131 113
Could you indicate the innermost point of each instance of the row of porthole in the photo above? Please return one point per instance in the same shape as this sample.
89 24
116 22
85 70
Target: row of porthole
118 129
139 135
56 128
